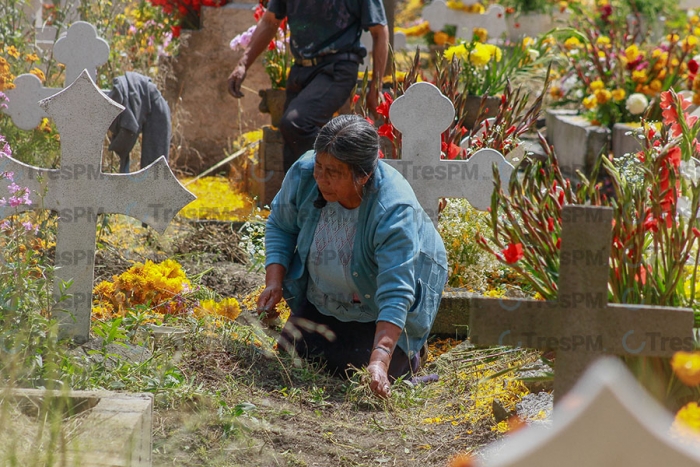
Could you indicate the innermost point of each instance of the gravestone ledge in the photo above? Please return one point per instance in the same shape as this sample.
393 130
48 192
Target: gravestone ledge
117 430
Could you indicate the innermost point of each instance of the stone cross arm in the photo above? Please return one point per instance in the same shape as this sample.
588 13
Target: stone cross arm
580 324
608 328
78 191
430 177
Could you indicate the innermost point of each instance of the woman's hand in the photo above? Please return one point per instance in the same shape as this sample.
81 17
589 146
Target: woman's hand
271 296
268 300
379 384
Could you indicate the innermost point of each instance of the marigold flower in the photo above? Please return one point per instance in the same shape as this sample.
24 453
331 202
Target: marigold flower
618 94
460 51
686 423
590 102
686 366
13 52
38 73
440 38
602 96
596 85
572 43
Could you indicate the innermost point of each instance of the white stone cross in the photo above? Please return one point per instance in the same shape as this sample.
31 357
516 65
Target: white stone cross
439 15
606 420
78 191
421 115
80 49
581 325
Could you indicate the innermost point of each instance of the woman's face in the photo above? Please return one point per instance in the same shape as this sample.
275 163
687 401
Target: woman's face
336 181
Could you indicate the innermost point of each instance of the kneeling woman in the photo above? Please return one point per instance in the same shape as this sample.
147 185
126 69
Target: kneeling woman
358 261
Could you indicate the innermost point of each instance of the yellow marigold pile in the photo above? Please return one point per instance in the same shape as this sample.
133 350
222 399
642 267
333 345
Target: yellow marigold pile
159 286
163 287
686 366
216 200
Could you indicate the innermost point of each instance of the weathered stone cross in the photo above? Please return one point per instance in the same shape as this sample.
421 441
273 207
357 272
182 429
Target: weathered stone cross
581 325
78 191
421 115
439 15
80 49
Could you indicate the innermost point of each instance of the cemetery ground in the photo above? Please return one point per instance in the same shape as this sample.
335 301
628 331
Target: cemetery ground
226 396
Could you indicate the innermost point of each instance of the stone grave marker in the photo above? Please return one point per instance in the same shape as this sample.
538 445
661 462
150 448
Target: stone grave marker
581 325
606 420
494 20
78 191
80 49
421 115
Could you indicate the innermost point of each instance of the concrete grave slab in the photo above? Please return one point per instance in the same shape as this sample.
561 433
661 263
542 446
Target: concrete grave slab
577 143
78 191
116 429
581 325
421 115
606 420
80 49
438 15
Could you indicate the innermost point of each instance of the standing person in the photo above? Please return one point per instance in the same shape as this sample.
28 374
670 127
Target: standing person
326 48
355 256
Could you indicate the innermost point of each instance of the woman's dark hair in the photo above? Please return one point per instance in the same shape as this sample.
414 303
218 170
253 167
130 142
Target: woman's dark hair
350 139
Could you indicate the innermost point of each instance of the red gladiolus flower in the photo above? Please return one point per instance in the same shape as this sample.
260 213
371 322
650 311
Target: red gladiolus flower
641 276
355 98
558 243
696 232
674 157
369 120
259 11
451 151
513 253
693 66
550 225
176 30
271 45
383 108
387 130
651 224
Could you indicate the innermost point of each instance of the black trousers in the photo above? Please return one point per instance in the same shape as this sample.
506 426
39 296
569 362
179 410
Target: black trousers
314 94
315 336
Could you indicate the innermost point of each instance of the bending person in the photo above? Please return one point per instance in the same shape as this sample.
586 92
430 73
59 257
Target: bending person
358 261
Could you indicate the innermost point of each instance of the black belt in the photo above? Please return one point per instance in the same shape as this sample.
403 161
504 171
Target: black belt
339 57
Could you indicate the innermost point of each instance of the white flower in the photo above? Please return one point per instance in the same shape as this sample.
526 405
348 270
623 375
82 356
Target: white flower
636 103
534 54
691 170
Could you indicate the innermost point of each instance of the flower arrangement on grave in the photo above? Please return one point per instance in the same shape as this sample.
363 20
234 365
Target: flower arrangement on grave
186 12
277 58
140 36
611 77
161 287
486 68
513 118
655 196
524 7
